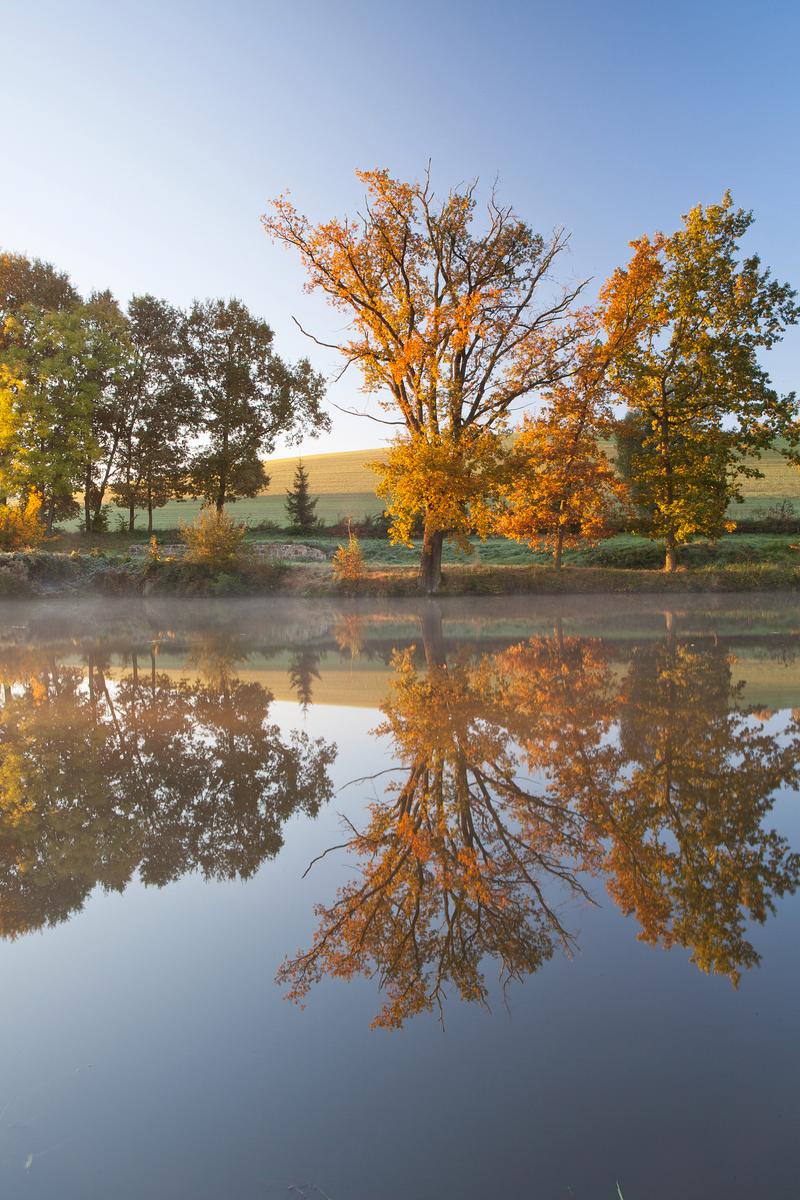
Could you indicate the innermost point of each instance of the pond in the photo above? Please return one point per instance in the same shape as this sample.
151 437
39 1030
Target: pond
401 901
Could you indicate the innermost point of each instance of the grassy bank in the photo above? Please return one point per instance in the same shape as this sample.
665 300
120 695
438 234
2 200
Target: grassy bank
53 574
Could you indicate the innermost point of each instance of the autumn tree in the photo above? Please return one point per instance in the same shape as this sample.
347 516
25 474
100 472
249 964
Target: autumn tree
562 490
453 323
300 506
701 406
245 396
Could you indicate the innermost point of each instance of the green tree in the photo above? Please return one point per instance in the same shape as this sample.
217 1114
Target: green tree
26 281
299 505
158 416
246 396
107 367
48 353
689 316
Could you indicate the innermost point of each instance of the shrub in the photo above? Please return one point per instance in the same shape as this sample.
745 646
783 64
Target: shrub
14 578
348 561
20 524
214 540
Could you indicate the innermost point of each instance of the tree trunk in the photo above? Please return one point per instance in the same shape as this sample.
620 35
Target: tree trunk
87 507
51 513
558 549
149 500
223 474
430 566
670 556
433 634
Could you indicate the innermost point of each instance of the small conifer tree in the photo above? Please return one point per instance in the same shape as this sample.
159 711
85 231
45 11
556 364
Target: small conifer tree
299 505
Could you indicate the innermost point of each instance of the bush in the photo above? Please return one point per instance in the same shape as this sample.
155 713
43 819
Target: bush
348 561
21 525
14 579
215 540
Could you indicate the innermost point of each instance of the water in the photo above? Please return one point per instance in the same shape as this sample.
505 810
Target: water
548 941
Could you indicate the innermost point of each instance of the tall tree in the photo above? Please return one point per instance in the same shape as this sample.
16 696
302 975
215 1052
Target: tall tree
700 402
246 397
452 323
299 505
56 356
157 410
107 367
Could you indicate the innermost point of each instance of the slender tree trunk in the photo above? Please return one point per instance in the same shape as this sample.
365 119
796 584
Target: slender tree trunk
149 500
87 506
51 513
671 555
223 474
430 566
559 548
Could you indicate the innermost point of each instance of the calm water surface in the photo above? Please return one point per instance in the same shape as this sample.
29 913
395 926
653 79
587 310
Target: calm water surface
548 939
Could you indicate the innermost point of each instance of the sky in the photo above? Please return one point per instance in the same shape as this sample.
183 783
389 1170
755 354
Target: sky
142 141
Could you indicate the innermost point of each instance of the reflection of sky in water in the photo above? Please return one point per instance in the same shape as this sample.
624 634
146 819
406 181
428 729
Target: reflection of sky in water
147 1050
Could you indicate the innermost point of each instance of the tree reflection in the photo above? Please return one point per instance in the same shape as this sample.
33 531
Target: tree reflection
684 839
524 773
152 773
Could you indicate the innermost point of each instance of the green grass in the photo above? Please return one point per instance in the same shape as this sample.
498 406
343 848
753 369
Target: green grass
331 508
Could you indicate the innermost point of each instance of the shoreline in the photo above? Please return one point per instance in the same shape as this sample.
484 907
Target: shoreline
51 576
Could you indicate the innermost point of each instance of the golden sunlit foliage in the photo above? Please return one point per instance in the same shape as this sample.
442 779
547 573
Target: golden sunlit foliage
452 320
442 485
561 489
694 316
20 524
348 561
215 539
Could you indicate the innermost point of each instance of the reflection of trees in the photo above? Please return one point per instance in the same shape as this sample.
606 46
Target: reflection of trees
686 848
303 670
155 774
446 878
524 772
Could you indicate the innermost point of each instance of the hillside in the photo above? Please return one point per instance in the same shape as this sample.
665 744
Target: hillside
345 472
345 485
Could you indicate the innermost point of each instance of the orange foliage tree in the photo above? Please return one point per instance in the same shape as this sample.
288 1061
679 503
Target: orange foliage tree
562 490
451 322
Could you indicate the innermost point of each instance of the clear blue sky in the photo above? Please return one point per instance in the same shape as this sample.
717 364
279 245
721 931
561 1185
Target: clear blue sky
141 141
